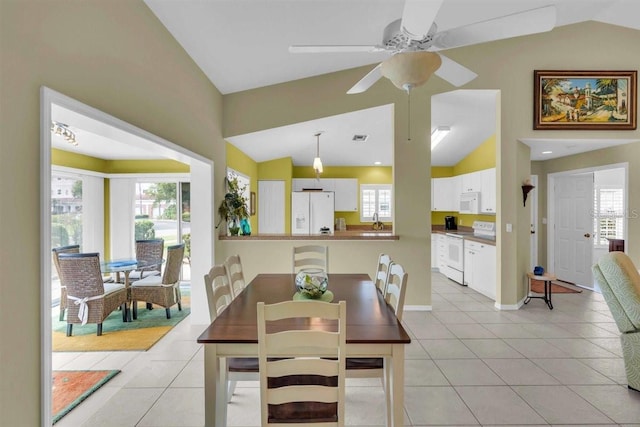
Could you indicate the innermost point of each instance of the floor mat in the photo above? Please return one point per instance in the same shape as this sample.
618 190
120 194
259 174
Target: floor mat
139 335
72 387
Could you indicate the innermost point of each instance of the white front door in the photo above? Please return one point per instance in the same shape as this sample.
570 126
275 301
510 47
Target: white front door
573 205
534 222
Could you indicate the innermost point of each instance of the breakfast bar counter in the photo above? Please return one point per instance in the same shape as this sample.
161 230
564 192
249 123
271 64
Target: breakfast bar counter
356 234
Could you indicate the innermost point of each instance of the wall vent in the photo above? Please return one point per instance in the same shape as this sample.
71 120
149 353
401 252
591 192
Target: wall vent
359 138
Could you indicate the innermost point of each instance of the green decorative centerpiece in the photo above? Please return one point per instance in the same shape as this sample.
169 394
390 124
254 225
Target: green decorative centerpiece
234 206
311 283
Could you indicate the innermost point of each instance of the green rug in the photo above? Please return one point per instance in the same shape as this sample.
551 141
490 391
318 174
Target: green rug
141 334
70 388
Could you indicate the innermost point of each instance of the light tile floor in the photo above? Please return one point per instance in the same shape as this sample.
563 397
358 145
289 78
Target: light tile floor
468 364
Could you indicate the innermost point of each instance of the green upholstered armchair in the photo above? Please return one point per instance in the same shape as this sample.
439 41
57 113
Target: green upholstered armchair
619 281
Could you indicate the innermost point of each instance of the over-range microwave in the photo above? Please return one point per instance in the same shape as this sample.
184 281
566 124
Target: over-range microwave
470 203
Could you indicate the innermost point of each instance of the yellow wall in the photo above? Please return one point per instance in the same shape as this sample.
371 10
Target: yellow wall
238 160
483 157
364 175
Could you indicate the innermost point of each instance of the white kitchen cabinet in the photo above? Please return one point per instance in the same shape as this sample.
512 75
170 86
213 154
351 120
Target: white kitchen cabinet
346 194
346 190
480 267
301 184
471 182
434 251
488 194
442 254
445 194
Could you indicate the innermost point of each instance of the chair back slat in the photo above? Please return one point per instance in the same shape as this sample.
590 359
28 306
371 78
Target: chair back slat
307 386
382 273
235 274
310 256
396 288
218 290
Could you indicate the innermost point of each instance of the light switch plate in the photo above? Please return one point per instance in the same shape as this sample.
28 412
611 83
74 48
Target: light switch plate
509 228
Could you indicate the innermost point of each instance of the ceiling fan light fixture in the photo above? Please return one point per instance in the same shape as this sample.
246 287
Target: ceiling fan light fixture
408 70
438 135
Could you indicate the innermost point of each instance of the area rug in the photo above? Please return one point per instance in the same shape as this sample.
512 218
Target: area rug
139 335
537 286
72 387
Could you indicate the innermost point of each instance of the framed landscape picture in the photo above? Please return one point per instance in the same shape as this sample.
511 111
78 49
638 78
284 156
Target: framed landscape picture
579 100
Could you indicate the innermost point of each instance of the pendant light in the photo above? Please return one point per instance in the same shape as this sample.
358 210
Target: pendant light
317 163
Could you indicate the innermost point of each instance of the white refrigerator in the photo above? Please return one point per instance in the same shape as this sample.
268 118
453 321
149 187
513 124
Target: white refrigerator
311 211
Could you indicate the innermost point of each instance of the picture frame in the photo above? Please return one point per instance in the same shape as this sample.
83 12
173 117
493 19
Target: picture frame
584 100
252 203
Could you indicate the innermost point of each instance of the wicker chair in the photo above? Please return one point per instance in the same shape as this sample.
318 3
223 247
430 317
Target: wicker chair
148 250
235 274
71 249
91 299
163 291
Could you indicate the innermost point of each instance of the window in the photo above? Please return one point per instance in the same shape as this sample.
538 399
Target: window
375 198
244 183
608 215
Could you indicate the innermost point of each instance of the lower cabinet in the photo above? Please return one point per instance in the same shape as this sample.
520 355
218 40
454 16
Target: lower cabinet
480 267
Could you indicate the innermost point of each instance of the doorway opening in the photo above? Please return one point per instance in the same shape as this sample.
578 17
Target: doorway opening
201 183
587 207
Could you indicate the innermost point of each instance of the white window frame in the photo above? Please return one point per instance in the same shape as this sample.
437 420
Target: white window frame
377 188
619 217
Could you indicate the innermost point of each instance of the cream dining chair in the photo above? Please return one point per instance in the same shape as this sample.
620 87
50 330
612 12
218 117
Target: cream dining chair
219 296
361 367
235 274
302 372
382 273
310 256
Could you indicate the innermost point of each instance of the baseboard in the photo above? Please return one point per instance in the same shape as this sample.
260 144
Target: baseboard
417 308
509 306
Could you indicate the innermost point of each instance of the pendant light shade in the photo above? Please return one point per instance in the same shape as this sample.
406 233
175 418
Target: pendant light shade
317 163
410 69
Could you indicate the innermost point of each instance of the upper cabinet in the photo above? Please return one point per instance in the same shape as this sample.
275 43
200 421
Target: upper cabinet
346 190
470 182
488 192
445 192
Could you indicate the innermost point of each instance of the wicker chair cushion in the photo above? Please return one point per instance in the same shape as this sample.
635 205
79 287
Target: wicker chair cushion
150 281
112 287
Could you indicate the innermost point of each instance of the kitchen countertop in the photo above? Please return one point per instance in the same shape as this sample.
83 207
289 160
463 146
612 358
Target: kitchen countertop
466 232
358 234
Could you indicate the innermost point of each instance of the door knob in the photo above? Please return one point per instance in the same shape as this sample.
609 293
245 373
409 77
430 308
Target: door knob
587 235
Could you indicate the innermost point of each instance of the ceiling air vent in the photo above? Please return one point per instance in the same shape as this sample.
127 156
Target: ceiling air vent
359 138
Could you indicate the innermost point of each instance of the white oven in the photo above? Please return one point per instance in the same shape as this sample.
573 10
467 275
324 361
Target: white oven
455 258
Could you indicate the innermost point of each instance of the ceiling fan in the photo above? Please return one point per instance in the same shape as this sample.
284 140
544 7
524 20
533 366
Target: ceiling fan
413 40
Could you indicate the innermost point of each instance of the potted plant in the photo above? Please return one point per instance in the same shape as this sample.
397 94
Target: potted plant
233 208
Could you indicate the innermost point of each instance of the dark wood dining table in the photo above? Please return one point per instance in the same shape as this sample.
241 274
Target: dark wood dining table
373 330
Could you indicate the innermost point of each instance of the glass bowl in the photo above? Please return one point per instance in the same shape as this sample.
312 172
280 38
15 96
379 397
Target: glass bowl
312 282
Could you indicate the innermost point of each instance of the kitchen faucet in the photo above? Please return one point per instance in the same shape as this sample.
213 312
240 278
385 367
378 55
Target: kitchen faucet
377 225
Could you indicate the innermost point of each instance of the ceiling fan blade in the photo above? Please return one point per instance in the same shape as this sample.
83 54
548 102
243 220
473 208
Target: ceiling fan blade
417 17
518 24
367 81
335 48
454 73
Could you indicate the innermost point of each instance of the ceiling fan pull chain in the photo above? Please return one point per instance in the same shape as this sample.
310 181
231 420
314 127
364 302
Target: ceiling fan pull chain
409 114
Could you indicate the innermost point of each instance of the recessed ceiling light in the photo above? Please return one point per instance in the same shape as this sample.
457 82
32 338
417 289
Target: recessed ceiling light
377 163
547 152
